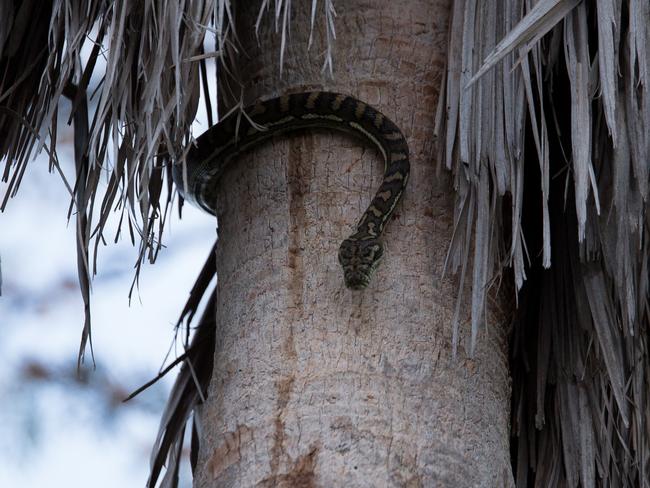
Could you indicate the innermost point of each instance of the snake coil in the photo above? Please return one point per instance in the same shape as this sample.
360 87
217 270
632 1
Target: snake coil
360 253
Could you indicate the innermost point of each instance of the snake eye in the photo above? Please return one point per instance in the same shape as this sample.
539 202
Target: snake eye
372 252
375 252
345 253
379 251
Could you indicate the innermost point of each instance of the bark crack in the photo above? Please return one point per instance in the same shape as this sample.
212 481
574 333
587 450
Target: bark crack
297 187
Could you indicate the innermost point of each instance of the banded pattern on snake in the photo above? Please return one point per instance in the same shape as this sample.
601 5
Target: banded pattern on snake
360 253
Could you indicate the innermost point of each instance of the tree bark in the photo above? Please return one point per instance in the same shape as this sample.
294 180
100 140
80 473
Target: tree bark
314 384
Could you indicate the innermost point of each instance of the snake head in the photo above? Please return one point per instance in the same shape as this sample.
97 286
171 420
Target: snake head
359 258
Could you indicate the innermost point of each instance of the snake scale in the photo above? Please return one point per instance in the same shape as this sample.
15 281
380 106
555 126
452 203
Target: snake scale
360 253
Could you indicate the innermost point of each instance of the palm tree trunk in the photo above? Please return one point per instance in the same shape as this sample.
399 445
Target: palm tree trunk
315 384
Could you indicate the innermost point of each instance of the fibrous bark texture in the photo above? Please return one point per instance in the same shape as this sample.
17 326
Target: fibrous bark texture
314 384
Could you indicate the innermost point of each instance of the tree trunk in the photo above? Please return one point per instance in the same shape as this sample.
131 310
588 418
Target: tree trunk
315 384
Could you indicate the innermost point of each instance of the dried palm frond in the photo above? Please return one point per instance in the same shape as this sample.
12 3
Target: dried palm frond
553 96
142 107
131 72
191 385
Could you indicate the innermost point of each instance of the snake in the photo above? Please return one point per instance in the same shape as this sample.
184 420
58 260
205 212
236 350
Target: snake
239 130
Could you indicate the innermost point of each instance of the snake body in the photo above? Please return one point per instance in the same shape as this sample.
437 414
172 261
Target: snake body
360 253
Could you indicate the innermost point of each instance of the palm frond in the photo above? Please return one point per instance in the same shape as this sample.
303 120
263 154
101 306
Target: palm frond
131 71
191 385
565 85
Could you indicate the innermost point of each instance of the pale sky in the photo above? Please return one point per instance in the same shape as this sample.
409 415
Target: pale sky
57 433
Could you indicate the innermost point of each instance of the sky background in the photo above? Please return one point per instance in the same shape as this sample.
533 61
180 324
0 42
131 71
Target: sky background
57 430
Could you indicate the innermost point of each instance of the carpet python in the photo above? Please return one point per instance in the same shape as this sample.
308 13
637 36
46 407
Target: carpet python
360 253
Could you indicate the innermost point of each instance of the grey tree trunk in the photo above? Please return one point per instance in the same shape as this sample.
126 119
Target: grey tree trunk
314 384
